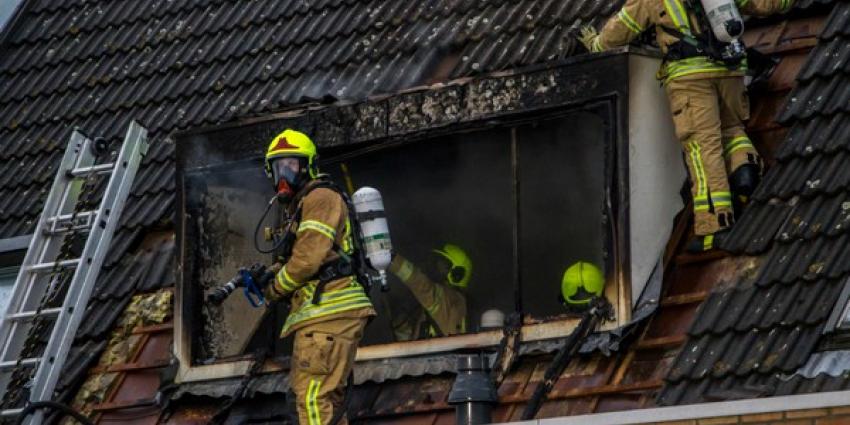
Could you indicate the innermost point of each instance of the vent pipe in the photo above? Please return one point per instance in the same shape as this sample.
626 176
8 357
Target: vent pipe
473 394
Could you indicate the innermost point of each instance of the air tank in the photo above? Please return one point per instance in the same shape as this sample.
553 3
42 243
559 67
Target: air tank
724 18
369 207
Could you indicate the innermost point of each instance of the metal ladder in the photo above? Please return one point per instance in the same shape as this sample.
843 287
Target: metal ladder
49 272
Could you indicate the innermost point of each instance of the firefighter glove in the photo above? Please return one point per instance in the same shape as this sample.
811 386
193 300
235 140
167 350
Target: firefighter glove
588 34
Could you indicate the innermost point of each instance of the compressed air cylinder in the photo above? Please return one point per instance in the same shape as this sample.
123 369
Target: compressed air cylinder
369 207
724 18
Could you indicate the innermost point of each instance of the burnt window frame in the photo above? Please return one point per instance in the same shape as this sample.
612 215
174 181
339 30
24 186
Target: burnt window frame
585 91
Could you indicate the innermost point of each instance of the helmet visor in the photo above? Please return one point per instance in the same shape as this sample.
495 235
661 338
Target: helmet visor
286 168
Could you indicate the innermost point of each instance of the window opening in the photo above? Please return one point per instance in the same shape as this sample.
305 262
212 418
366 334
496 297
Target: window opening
487 221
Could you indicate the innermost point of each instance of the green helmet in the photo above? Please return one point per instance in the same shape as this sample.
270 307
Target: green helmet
461 266
581 282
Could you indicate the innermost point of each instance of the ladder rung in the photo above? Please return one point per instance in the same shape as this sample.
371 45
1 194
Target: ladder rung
50 266
65 217
25 362
84 171
62 230
61 224
24 315
11 412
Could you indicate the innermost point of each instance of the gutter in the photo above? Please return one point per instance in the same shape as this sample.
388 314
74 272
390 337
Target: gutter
704 410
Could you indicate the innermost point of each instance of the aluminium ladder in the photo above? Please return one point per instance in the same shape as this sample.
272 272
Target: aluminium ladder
34 305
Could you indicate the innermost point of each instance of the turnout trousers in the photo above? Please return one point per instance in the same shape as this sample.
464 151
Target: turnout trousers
322 358
709 115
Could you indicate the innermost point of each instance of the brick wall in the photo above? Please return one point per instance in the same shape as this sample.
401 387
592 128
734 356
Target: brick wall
830 416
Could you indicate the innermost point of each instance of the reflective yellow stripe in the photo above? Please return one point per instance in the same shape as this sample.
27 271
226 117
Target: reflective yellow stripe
285 281
721 199
314 417
596 46
350 298
347 242
707 242
736 144
405 271
679 15
741 3
317 226
696 160
784 5
629 22
696 65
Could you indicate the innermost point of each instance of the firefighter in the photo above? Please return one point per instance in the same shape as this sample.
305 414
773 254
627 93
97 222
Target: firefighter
443 304
327 315
708 100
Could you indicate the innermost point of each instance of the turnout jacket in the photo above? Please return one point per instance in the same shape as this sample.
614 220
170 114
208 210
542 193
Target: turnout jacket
636 16
323 221
442 303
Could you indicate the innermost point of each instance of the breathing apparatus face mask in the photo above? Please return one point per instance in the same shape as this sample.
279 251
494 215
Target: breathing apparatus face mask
287 173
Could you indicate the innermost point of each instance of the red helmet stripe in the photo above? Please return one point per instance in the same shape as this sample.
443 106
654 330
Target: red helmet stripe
282 143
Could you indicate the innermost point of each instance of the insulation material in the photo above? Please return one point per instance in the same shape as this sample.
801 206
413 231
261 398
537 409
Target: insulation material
143 310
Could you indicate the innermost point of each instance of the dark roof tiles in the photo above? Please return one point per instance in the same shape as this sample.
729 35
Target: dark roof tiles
744 336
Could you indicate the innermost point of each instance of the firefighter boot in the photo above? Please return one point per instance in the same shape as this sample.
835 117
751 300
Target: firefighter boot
703 243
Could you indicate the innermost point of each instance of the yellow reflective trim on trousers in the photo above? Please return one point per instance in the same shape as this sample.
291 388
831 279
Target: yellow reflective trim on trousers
679 15
629 22
318 226
736 144
741 3
721 199
314 416
696 160
784 5
707 242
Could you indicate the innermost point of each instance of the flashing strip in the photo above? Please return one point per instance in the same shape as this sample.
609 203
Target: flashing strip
15 243
704 410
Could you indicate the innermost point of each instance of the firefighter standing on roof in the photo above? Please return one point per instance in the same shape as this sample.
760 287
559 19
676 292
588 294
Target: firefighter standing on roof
443 304
709 103
328 327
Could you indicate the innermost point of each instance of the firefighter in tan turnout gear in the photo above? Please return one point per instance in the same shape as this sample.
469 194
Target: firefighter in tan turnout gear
443 303
329 307
707 94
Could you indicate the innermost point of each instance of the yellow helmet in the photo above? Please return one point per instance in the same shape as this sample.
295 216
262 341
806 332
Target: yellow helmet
581 282
292 143
461 270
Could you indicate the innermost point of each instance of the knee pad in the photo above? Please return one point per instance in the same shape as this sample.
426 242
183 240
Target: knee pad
744 180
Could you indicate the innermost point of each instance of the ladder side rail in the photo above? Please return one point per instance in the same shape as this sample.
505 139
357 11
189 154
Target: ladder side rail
41 248
85 276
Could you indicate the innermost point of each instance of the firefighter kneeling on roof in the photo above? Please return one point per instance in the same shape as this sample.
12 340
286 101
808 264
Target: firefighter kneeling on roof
703 74
327 318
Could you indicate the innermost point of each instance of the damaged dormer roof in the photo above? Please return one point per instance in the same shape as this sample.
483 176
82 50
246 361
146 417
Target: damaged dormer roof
749 340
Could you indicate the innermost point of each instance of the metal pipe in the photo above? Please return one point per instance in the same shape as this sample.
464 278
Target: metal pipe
473 394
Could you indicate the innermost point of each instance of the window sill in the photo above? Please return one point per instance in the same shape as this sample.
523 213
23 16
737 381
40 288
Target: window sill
534 332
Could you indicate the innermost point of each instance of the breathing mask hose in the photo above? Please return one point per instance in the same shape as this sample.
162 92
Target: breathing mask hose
277 244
